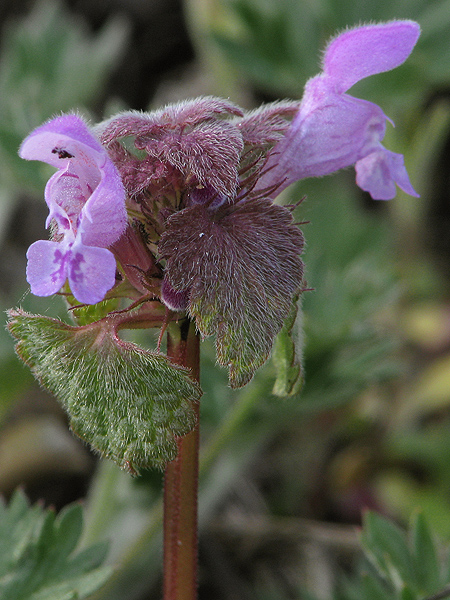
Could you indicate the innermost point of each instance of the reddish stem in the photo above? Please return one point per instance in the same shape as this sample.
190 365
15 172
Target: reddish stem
181 483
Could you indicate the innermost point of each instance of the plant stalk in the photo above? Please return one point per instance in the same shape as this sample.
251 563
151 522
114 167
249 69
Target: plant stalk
181 482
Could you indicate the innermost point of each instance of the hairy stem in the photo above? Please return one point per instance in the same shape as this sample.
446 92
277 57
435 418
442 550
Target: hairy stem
181 483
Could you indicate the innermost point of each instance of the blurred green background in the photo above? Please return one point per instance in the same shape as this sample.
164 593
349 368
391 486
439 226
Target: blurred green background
284 481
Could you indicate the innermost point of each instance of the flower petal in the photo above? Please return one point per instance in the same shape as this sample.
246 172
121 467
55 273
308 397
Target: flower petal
87 188
333 130
325 137
53 141
378 172
91 273
104 217
65 197
365 51
47 267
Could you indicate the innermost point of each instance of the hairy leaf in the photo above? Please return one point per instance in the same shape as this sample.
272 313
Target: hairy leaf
37 560
129 404
427 567
267 124
191 136
240 265
288 365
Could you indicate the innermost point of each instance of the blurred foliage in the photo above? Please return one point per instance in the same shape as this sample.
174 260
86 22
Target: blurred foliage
36 554
49 63
371 425
399 565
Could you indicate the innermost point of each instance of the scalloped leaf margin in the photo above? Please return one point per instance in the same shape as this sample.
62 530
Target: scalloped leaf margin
241 267
127 403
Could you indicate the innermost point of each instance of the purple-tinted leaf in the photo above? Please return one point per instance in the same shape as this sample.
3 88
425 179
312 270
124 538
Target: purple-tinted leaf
136 174
190 138
267 124
241 267
190 112
210 152
183 114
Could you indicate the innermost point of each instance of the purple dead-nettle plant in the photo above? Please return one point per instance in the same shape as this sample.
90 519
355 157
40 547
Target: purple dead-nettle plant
167 220
203 239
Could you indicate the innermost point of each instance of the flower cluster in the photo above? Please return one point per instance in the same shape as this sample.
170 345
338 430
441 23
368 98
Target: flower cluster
199 179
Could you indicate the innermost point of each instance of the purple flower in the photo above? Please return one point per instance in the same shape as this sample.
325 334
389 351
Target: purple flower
86 200
333 130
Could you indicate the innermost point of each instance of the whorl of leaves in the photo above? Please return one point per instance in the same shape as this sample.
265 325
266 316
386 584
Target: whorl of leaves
191 137
173 116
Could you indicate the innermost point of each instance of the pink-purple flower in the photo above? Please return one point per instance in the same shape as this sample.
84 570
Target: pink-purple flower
86 200
332 129
199 178
207 154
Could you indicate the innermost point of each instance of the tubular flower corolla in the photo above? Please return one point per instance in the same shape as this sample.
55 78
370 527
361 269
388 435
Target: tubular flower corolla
332 129
86 200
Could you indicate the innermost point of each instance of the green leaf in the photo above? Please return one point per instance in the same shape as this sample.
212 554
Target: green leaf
373 589
386 546
288 365
408 594
37 560
88 313
427 565
129 404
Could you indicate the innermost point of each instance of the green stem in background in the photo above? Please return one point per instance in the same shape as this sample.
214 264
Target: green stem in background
181 482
